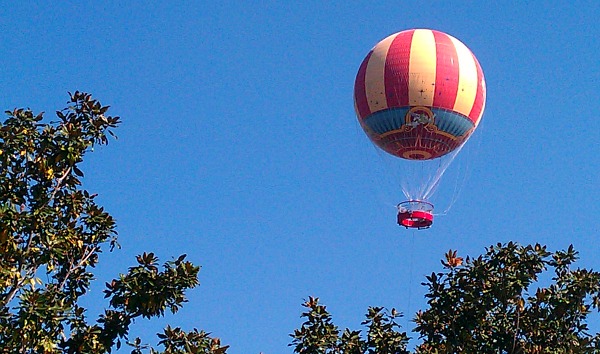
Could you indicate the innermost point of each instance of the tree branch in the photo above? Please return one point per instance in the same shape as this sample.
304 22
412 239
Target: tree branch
17 284
59 183
79 264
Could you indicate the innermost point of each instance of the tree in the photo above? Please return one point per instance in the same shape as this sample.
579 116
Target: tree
491 304
51 232
318 335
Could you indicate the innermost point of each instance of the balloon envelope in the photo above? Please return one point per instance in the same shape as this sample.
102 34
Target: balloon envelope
419 94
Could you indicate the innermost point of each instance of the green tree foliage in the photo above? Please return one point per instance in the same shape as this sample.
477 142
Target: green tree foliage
51 232
318 335
495 303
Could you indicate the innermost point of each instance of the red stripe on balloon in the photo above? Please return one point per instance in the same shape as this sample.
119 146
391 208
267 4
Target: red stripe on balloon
396 70
447 71
478 105
360 94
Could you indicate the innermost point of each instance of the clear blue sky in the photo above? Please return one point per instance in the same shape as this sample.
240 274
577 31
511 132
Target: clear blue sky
240 147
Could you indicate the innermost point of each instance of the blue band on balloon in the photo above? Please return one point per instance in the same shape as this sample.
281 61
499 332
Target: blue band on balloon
392 119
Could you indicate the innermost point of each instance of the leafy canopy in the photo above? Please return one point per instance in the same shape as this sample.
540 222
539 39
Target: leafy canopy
51 232
491 304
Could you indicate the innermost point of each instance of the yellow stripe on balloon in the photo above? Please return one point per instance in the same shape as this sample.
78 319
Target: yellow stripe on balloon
467 79
374 76
422 68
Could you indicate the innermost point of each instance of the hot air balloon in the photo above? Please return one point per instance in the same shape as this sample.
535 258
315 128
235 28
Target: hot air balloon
419 94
